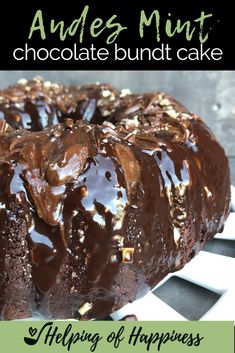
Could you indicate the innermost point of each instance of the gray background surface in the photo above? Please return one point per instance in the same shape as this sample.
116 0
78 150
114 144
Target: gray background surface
210 94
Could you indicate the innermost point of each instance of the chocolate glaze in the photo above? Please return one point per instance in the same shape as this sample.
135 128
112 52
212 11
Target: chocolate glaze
102 194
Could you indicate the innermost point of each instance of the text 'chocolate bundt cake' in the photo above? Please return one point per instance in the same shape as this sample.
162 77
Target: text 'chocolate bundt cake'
102 194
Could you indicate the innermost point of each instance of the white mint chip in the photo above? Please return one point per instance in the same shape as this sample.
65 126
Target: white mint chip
127 255
22 81
176 236
125 92
172 113
106 113
84 308
106 93
74 275
164 102
208 192
47 84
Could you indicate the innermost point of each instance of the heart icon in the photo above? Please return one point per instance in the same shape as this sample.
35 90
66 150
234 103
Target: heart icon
32 331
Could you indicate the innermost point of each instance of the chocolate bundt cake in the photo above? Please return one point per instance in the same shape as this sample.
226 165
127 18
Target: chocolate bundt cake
102 194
